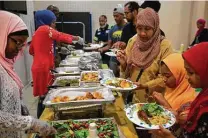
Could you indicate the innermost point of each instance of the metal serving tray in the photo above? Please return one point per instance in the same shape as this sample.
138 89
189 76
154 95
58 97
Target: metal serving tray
55 83
74 92
106 74
61 71
90 83
72 62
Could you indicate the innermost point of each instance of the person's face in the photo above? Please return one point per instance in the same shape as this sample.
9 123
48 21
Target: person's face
53 24
14 45
192 76
170 80
128 14
118 18
199 25
102 21
144 32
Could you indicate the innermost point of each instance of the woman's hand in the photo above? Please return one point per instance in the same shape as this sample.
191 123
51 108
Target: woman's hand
160 99
121 57
140 86
42 127
162 133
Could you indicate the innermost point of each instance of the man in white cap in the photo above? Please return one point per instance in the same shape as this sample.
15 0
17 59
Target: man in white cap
114 36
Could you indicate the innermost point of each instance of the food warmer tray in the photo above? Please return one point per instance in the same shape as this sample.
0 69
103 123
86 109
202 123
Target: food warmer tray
73 92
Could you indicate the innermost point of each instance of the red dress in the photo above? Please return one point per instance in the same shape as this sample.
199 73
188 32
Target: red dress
42 50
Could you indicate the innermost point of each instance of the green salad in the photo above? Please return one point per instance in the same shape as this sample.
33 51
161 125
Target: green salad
106 128
152 109
68 82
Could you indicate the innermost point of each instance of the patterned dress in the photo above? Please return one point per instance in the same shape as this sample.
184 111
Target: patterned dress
11 121
201 131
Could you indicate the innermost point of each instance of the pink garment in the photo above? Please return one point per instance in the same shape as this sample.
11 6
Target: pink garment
143 53
9 23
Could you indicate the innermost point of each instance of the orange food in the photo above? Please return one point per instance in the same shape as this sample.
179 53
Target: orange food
125 84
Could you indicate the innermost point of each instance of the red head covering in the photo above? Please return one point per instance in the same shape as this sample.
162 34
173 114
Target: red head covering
197 58
202 22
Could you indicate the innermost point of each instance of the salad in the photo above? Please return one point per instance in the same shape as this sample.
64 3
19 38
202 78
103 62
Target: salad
152 114
106 128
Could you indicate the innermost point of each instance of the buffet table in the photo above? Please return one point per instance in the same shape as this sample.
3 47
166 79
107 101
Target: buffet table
111 110
115 110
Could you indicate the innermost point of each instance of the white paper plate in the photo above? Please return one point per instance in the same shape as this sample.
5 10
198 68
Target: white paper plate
111 54
103 82
93 47
131 113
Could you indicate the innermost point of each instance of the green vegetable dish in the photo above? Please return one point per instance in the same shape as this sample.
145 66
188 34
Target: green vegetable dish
68 82
106 128
152 109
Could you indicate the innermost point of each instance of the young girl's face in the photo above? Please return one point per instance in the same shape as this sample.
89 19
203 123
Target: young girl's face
170 80
192 76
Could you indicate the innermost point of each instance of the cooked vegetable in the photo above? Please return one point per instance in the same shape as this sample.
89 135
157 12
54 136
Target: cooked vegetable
68 82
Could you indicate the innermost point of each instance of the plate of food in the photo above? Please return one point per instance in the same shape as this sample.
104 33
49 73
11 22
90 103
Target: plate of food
118 84
150 115
106 128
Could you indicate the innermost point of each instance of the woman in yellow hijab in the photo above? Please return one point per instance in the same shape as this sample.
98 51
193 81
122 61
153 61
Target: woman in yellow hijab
178 94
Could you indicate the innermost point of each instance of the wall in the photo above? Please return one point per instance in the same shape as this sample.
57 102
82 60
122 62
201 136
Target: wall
175 16
23 65
177 20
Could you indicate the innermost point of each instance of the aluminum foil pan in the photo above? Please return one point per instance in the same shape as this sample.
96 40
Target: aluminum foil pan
106 74
65 71
74 92
72 62
57 84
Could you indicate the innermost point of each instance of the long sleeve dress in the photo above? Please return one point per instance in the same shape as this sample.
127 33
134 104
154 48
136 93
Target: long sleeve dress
150 76
11 121
42 50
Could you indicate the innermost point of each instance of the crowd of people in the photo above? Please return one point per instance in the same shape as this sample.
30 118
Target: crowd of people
145 57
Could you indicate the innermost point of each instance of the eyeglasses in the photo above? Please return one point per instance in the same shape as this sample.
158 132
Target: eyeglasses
19 44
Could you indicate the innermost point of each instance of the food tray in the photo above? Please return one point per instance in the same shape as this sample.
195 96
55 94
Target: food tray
74 127
106 74
61 71
73 92
76 53
72 62
68 78
84 83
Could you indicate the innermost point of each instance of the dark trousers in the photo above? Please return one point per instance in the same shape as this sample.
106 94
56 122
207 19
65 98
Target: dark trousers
41 106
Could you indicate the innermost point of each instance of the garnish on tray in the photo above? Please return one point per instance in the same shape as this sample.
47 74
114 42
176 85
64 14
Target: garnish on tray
106 128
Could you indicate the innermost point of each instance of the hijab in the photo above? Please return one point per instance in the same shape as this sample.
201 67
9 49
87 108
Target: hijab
183 92
10 24
197 58
143 53
202 22
44 17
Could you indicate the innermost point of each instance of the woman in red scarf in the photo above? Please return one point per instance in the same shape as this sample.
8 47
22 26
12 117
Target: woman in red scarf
42 50
196 65
202 32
